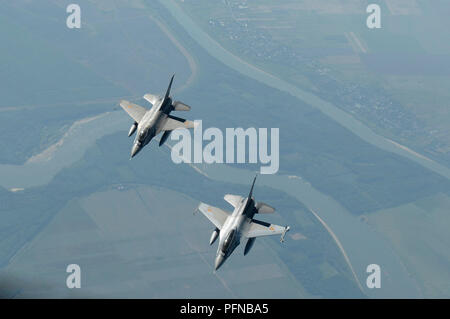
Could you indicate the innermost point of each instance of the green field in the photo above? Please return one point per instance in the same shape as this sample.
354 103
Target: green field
109 212
116 216
419 233
54 76
394 79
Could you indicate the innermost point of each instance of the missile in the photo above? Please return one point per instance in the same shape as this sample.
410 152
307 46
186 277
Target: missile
249 245
132 129
214 236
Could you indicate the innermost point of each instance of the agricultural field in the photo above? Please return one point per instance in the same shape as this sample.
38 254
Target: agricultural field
384 77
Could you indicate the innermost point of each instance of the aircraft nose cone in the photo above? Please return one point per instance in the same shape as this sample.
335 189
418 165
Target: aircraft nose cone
219 262
134 150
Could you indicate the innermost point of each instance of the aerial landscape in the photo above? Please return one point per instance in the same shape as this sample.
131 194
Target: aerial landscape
361 173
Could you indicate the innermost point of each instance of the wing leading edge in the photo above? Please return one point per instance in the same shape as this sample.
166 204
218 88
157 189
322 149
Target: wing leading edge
137 112
215 215
258 229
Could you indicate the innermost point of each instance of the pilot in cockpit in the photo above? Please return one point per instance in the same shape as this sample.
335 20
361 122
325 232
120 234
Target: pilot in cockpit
228 241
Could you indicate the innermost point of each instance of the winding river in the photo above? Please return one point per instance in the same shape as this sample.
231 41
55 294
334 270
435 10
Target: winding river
362 245
341 117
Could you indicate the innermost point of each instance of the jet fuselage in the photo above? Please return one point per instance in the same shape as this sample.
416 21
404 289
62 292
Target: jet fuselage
230 228
231 232
151 124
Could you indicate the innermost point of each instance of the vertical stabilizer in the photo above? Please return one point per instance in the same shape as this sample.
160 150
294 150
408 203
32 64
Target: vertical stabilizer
168 89
251 190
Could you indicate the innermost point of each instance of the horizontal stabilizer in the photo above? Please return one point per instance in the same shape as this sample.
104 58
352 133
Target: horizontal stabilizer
264 208
180 106
174 123
233 200
151 98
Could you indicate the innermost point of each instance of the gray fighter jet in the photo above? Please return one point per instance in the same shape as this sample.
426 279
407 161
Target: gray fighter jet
230 228
150 123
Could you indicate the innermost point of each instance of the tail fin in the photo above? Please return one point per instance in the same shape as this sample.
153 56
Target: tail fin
168 89
251 190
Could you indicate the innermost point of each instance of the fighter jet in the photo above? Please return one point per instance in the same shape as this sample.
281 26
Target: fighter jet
230 228
150 123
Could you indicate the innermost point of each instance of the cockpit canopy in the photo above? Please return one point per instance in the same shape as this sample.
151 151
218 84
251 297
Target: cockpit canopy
141 135
228 241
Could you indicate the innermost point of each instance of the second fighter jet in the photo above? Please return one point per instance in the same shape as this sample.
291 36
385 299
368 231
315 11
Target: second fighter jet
239 225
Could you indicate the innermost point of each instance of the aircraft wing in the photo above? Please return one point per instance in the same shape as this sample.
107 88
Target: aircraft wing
214 214
135 111
151 98
233 200
174 122
258 229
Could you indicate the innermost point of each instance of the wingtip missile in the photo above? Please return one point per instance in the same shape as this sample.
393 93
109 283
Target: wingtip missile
286 229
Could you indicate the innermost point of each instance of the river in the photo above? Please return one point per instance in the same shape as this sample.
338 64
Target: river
362 244
338 115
